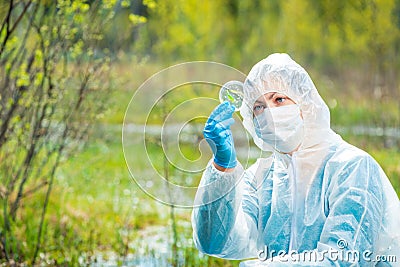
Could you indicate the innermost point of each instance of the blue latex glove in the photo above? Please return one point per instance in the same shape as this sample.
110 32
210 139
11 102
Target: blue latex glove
219 136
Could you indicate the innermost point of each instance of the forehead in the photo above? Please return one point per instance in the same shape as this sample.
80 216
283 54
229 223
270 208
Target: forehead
269 86
274 83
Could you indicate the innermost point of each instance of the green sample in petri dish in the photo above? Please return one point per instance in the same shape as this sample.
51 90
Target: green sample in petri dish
232 91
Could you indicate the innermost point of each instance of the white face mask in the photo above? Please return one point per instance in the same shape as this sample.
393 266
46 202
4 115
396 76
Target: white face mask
280 127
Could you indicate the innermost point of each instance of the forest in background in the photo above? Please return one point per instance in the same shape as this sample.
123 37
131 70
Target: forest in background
68 69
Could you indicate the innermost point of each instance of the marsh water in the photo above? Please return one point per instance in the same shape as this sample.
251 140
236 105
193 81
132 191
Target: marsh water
153 245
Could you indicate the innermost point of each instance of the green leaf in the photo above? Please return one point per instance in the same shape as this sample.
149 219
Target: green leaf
136 19
125 3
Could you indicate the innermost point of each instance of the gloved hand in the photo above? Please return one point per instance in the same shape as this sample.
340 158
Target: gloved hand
219 136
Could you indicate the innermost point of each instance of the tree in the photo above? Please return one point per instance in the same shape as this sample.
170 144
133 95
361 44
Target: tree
53 84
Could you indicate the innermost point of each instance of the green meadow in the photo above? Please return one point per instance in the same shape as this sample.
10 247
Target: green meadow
102 209
81 183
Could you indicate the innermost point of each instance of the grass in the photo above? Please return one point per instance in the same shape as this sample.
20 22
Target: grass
389 160
97 207
95 201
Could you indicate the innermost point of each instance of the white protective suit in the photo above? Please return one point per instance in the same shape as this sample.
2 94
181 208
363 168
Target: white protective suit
326 196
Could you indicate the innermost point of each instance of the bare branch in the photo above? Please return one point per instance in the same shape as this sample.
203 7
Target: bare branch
46 202
34 189
17 21
7 25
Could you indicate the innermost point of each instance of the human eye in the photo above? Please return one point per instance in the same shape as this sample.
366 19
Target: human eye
257 109
280 99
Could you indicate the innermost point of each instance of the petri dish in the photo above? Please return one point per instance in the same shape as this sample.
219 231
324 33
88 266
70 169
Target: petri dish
232 91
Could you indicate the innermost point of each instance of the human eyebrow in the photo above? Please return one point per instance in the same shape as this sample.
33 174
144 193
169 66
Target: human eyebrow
269 97
259 102
272 95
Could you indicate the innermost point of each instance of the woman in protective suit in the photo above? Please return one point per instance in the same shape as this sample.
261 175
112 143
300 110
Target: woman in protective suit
317 201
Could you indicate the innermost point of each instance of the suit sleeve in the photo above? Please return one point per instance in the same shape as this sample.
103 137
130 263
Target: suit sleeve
225 215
